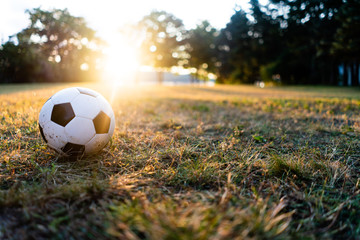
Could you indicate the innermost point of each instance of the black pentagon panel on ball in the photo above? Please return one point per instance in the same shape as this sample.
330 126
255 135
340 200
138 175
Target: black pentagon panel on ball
62 114
102 123
42 133
73 149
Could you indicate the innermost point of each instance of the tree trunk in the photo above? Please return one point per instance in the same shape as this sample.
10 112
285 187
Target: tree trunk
345 79
355 78
332 76
349 74
358 71
192 78
353 74
345 75
160 75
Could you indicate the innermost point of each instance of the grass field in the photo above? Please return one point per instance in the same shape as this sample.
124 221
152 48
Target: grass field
228 162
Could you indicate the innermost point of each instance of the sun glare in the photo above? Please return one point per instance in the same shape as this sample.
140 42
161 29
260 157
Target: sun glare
121 62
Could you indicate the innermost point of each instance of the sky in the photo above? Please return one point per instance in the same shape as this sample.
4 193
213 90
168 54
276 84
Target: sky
106 15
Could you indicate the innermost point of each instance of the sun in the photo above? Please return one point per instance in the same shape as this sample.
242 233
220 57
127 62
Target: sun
121 63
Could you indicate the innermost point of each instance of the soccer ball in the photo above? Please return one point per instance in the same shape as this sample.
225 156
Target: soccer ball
76 121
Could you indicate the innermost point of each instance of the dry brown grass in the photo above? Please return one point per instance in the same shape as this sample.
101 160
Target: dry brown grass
229 162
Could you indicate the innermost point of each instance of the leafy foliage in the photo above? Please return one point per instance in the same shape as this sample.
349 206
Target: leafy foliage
22 61
303 42
202 49
53 47
163 36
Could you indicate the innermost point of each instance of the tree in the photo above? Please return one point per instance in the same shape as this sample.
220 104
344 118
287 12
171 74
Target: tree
308 32
292 38
64 40
248 46
346 44
163 41
202 49
22 63
234 46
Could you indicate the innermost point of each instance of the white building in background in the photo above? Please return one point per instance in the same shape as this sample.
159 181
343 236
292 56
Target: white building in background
151 77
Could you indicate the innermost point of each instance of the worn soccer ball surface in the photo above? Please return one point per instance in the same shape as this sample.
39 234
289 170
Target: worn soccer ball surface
76 121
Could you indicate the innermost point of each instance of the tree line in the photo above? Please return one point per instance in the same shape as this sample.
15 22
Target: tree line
55 47
285 41
297 42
